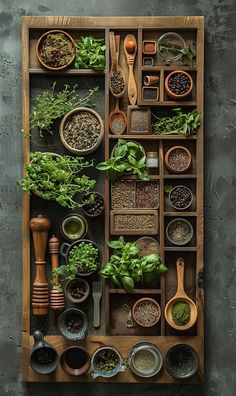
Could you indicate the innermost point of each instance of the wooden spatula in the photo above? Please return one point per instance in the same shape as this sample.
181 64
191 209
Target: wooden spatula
97 294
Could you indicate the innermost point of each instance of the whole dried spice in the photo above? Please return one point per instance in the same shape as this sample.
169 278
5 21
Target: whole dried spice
123 194
146 313
82 130
56 50
180 197
179 231
44 356
147 195
117 83
178 159
134 222
106 360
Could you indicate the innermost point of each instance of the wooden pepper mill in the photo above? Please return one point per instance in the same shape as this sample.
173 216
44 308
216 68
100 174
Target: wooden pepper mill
57 300
40 226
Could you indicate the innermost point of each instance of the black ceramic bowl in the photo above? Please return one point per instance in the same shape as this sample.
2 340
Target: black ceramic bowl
181 361
66 248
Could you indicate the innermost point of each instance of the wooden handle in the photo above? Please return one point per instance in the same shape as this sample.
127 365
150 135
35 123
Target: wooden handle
96 313
57 300
180 275
113 51
132 89
117 46
40 226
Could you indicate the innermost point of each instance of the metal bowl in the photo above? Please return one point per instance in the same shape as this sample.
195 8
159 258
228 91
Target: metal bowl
156 359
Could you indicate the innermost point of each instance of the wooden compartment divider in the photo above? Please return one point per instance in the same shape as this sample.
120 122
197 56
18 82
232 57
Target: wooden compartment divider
114 333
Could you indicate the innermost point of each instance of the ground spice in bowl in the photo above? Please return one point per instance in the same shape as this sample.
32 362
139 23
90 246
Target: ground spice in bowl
179 231
181 313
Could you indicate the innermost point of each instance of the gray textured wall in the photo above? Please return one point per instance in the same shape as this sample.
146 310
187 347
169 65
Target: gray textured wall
220 192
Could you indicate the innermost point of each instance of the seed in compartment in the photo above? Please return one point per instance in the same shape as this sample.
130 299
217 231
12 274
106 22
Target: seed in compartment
123 194
123 222
147 195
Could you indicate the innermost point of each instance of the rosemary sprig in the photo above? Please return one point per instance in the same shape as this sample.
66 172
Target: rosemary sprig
180 124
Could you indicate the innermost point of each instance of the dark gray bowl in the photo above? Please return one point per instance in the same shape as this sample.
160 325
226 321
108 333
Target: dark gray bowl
182 361
75 314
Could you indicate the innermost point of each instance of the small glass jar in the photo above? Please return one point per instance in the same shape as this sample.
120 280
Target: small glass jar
152 160
74 227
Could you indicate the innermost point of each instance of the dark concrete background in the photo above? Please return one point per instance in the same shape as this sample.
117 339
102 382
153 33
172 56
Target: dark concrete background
220 192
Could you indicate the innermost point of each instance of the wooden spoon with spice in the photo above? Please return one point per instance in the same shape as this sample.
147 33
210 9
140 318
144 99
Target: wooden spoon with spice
117 120
180 311
117 77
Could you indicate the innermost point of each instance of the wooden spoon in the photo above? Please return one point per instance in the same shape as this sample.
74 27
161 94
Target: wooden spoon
115 68
119 116
130 48
180 296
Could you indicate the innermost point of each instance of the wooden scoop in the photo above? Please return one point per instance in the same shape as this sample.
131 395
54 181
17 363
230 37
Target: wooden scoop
130 48
57 301
180 296
119 116
115 68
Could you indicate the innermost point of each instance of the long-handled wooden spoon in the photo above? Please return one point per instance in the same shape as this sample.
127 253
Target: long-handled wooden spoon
117 76
130 48
180 296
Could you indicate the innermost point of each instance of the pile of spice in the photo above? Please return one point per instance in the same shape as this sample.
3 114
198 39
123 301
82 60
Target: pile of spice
106 359
147 195
181 313
179 231
178 159
118 125
117 83
144 361
82 130
56 50
146 313
79 291
180 197
74 325
96 207
123 194
179 83
134 222
44 356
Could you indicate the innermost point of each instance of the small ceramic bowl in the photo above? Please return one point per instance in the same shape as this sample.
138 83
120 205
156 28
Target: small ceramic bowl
172 224
39 43
98 372
173 95
182 361
138 304
89 206
75 361
178 149
73 284
78 316
173 191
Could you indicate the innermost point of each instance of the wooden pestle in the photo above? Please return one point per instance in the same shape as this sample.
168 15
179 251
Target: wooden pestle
40 226
57 300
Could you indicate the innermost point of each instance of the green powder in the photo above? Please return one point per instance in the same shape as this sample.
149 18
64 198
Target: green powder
181 313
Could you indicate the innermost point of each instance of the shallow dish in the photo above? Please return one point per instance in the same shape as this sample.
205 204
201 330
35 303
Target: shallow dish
182 361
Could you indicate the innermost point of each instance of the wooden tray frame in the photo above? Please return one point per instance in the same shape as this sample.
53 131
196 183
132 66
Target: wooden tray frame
122 343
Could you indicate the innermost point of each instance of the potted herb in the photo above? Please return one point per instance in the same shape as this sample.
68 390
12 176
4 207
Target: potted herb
180 123
55 50
50 106
127 157
57 178
126 268
83 258
90 53
81 130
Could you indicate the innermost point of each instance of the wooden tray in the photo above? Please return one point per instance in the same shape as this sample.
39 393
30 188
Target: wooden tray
111 332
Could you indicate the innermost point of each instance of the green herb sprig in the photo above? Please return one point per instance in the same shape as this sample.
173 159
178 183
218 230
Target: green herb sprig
128 157
49 106
56 178
90 53
187 53
180 124
126 267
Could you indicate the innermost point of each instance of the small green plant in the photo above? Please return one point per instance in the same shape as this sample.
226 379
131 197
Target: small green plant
90 53
126 267
83 258
128 157
49 106
179 124
56 178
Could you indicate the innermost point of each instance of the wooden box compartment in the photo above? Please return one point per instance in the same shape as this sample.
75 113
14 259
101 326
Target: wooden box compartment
35 80
118 314
189 284
189 36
